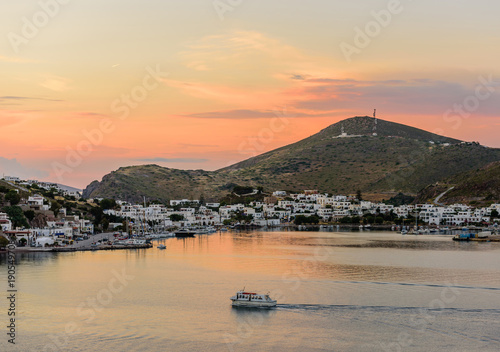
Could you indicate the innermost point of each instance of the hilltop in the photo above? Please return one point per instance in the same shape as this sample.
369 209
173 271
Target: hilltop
154 182
341 158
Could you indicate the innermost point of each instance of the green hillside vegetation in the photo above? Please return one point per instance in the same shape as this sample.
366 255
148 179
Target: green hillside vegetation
155 182
23 217
398 159
480 187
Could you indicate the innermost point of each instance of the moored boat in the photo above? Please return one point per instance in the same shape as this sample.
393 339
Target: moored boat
185 233
134 241
252 299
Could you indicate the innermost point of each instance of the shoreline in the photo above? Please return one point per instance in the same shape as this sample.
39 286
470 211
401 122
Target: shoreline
285 227
80 249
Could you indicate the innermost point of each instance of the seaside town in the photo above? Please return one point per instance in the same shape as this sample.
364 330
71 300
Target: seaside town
63 227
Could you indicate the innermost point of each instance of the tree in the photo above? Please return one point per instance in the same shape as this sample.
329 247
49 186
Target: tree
359 196
494 214
98 215
3 242
16 215
13 197
52 192
107 204
240 216
368 219
55 206
302 219
105 224
176 217
29 214
355 220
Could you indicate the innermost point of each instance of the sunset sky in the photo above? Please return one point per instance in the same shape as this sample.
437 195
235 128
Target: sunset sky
87 86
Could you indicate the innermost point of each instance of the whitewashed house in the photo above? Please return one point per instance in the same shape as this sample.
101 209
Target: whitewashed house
5 223
36 203
11 179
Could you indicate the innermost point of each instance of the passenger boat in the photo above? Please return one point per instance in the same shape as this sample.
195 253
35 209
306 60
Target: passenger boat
252 299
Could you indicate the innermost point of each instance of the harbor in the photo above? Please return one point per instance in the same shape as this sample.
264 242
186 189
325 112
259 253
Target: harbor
348 287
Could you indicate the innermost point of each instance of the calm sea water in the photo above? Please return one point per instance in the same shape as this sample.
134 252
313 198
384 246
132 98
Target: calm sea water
336 292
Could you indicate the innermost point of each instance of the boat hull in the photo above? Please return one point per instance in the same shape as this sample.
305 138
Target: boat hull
249 304
184 234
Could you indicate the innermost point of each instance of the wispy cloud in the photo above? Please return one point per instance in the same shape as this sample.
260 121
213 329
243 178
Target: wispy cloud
90 114
237 50
315 97
298 77
56 83
12 99
397 96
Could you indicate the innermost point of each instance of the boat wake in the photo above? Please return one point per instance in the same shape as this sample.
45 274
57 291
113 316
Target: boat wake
419 285
338 307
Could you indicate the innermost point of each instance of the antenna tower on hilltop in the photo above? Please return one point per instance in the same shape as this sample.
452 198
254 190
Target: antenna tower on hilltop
375 125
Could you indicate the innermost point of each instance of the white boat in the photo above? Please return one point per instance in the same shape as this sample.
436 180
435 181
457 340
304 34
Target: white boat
161 246
134 241
166 234
252 299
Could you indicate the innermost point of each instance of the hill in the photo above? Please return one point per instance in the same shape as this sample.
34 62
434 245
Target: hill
154 182
477 187
341 158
